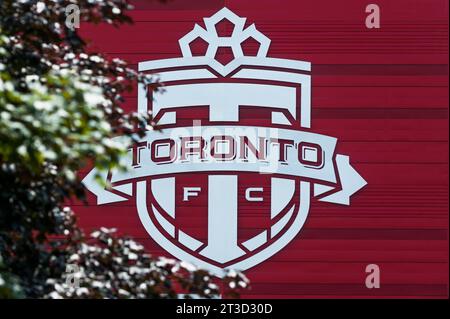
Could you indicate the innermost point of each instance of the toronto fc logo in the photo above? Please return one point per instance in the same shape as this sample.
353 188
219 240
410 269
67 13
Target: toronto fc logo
228 180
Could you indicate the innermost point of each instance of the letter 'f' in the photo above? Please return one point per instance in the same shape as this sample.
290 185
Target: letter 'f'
190 191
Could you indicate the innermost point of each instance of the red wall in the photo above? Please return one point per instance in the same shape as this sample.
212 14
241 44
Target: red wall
382 92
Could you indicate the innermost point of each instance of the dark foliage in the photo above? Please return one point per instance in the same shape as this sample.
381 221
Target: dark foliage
59 110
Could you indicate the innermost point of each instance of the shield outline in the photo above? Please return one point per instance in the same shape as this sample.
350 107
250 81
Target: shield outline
246 68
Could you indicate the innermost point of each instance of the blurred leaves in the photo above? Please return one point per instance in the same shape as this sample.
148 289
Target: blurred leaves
9 287
60 107
113 267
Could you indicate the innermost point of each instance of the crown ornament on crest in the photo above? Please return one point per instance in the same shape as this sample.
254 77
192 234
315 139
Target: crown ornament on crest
214 41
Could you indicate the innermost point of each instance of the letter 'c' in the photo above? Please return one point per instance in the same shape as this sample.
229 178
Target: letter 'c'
250 198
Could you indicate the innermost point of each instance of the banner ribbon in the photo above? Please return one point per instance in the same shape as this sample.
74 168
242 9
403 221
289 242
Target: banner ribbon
234 149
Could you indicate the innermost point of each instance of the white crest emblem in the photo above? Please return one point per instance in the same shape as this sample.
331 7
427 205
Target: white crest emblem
233 189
